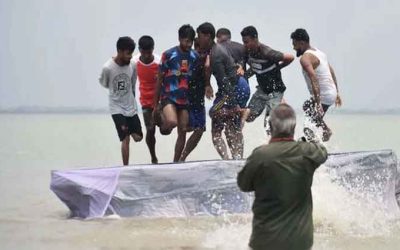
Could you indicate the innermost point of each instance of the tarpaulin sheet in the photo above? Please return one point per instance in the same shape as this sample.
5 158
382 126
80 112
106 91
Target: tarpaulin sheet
205 187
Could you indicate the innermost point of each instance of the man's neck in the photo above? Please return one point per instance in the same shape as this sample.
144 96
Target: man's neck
118 61
151 59
280 139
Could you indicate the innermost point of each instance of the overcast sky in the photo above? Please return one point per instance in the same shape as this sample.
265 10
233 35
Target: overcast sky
51 52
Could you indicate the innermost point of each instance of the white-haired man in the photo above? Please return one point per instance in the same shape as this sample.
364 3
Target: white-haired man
281 173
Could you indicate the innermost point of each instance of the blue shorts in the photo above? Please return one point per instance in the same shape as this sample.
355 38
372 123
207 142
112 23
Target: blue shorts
242 91
197 118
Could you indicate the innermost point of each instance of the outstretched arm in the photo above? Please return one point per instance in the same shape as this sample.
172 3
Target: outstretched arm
338 101
287 59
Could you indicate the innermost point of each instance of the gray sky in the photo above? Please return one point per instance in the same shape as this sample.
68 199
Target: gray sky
51 52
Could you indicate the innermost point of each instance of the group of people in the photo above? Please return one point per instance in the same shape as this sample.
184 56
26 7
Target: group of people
173 88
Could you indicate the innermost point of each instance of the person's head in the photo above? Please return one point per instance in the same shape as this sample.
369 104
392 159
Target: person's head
146 48
250 38
186 37
223 34
282 121
125 48
206 35
300 41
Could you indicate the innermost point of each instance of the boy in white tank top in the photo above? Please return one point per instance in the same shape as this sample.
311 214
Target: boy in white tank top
321 81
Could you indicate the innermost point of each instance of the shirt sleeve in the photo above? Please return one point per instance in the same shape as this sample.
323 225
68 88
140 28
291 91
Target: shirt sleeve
273 55
225 71
104 78
163 66
316 153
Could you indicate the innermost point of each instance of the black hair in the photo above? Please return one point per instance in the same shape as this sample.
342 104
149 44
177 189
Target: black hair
187 31
146 43
300 35
224 32
126 43
250 31
207 28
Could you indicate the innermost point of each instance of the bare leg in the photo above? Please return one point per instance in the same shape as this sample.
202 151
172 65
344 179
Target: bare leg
150 136
240 144
235 141
244 115
125 150
219 144
191 143
183 119
169 117
151 144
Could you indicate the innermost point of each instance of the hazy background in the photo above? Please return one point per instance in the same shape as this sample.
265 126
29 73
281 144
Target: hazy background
51 52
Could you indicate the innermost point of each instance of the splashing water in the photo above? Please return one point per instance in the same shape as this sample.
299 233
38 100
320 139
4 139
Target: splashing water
345 211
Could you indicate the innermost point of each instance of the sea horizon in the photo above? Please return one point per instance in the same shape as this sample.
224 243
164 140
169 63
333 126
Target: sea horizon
104 110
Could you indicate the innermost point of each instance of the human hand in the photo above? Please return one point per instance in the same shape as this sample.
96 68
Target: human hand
338 101
209 92
240 71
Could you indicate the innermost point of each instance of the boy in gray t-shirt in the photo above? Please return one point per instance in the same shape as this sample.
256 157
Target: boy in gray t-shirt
119 76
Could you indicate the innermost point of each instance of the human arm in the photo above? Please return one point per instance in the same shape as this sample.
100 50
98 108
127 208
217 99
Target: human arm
224 70
104 78
286 60
315 152
157 90
338 101
134 79
306 63
209 92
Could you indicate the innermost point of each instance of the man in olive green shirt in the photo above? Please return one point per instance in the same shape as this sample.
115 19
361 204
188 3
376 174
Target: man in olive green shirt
281 175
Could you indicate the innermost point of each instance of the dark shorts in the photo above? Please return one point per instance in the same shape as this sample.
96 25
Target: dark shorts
166 101
147 117
242 92
131 123
226 117
197 118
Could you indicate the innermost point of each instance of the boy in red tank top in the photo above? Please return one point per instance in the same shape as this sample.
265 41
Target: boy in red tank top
147 68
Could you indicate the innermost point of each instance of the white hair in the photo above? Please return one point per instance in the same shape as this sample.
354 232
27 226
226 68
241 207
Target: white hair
282 121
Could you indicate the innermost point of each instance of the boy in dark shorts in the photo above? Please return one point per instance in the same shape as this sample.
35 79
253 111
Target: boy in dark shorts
175 72
119 76
147 64
197 89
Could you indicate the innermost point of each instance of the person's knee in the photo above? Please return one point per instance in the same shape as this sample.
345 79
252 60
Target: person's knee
182 130
170 124
125 141
137 137
165 131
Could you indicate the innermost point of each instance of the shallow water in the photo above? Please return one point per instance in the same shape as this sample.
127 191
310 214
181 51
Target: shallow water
31 216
